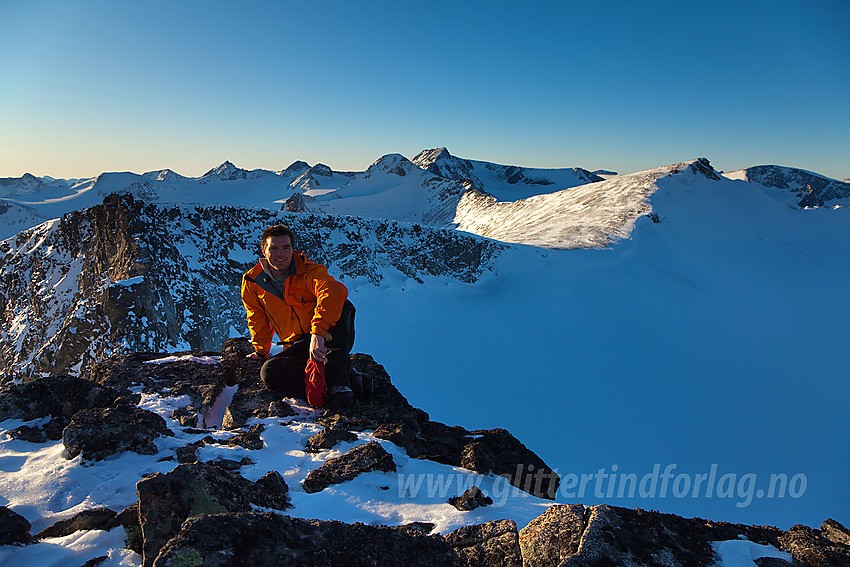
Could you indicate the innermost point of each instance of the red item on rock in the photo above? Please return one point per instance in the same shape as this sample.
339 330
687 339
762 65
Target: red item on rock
314 382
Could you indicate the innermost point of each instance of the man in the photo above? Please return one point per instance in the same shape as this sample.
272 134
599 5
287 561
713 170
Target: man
289 295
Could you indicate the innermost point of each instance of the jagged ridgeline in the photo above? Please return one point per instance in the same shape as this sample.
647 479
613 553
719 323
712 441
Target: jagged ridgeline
130 276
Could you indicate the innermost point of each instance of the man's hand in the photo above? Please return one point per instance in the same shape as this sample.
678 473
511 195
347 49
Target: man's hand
253 355
318 352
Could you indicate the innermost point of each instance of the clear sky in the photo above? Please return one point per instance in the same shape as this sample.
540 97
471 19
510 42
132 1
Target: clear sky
93 86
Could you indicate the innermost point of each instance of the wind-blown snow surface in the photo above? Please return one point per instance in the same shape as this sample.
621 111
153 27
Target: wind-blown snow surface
715 337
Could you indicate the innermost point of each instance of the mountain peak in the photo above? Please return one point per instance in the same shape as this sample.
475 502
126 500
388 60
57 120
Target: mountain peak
426 158
391 163
224 169
295 169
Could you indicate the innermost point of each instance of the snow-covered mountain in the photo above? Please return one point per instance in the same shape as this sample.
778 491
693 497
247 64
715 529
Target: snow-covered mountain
394 188
505 182
796 186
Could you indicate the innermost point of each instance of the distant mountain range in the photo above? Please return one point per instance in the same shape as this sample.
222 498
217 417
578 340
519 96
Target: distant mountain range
505 202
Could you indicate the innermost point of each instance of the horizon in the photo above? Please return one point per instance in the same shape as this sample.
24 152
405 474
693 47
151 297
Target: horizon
96 87
363 169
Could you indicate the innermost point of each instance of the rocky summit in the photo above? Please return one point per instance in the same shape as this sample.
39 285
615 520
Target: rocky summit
200 509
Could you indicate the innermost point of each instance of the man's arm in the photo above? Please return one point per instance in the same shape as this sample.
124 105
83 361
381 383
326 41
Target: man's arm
330 298
258 321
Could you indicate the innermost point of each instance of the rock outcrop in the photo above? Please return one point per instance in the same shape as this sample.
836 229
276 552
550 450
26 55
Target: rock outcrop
166 500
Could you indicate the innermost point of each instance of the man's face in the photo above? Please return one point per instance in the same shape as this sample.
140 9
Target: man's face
278 251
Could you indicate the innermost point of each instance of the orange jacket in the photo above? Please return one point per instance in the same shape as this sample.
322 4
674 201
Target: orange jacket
312 303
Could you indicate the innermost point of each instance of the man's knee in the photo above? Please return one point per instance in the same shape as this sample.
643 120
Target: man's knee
283 375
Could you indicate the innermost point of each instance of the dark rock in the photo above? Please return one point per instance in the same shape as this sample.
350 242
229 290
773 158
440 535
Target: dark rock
825 547
185 417
230 464
14 528
491 543
401 434
40 433
128 518
166 500
58 397
273 483
811 198
188 453
279 408
99 433
253 539
499 452
421 527
608 535
94 561
360 459
95 519
470 500
249 439
28 433
327 439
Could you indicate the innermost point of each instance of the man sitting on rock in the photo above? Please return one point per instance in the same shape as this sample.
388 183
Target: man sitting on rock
287 294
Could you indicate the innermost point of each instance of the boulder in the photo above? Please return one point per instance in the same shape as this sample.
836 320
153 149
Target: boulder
94 519
128 518
490 543
166 500
249 439
56 397
99 433
360 459
14 528
262 539
470 500
327 439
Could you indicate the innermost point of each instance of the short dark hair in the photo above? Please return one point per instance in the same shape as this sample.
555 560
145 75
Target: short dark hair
276 230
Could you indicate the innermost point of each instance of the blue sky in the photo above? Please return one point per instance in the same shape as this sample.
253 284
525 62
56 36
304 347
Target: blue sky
93 86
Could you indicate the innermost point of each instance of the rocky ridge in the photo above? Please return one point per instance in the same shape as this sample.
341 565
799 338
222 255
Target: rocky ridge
202 511
811 189
133 276
440 162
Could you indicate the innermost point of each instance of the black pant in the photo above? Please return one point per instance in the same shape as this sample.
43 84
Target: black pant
284 372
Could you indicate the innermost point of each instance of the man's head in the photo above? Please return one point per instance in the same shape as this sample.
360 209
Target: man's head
277 243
